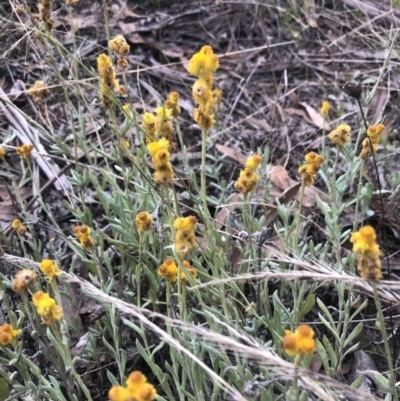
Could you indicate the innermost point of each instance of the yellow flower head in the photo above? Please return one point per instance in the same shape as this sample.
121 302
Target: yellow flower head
172 104
370 144
310 169
7 334
185 223
164 174
2 153
23 280
18 227
47 307
137 388
189 269
301 342
84 236
217 93
204 63
163 113
119 45
154 147
49 268
340 136
368 253
169 270
108 80
25 150
39 91
202 93
326 106
248 178
253 161
185 237
144 222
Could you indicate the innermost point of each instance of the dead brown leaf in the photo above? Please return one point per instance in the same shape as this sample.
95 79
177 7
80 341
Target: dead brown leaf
315 115
232 153
224 211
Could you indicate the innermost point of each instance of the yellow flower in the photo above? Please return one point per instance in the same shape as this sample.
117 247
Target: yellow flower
137 388
2 153
253 162
44 7
25 150
39 91
108 80
204 63
248 178
326 106
340 136
164 174
189 269
172 104
144 222
23 279
301 342
7 334
119 45
185 237
217 94
368 253
169 270
49 268
202 93
47 307
370 144
310 169
84 236
18 227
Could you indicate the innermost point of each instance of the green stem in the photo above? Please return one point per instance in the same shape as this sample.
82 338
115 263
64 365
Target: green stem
206 213
298 215
358 196
382 327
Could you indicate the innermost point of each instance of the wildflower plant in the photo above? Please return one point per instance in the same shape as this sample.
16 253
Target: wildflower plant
156 278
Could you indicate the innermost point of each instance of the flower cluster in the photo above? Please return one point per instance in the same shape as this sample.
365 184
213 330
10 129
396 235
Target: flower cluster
44 7
7 334
108 81
19 228
368 253
84 236
25 150
301 342
49 268
203 65
325 107
184 237
144 222
159 152
169 270
23 280
119 46
137 388
39 91
47 307
159 125
172 104
248 178
340 136
310 169
374 133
